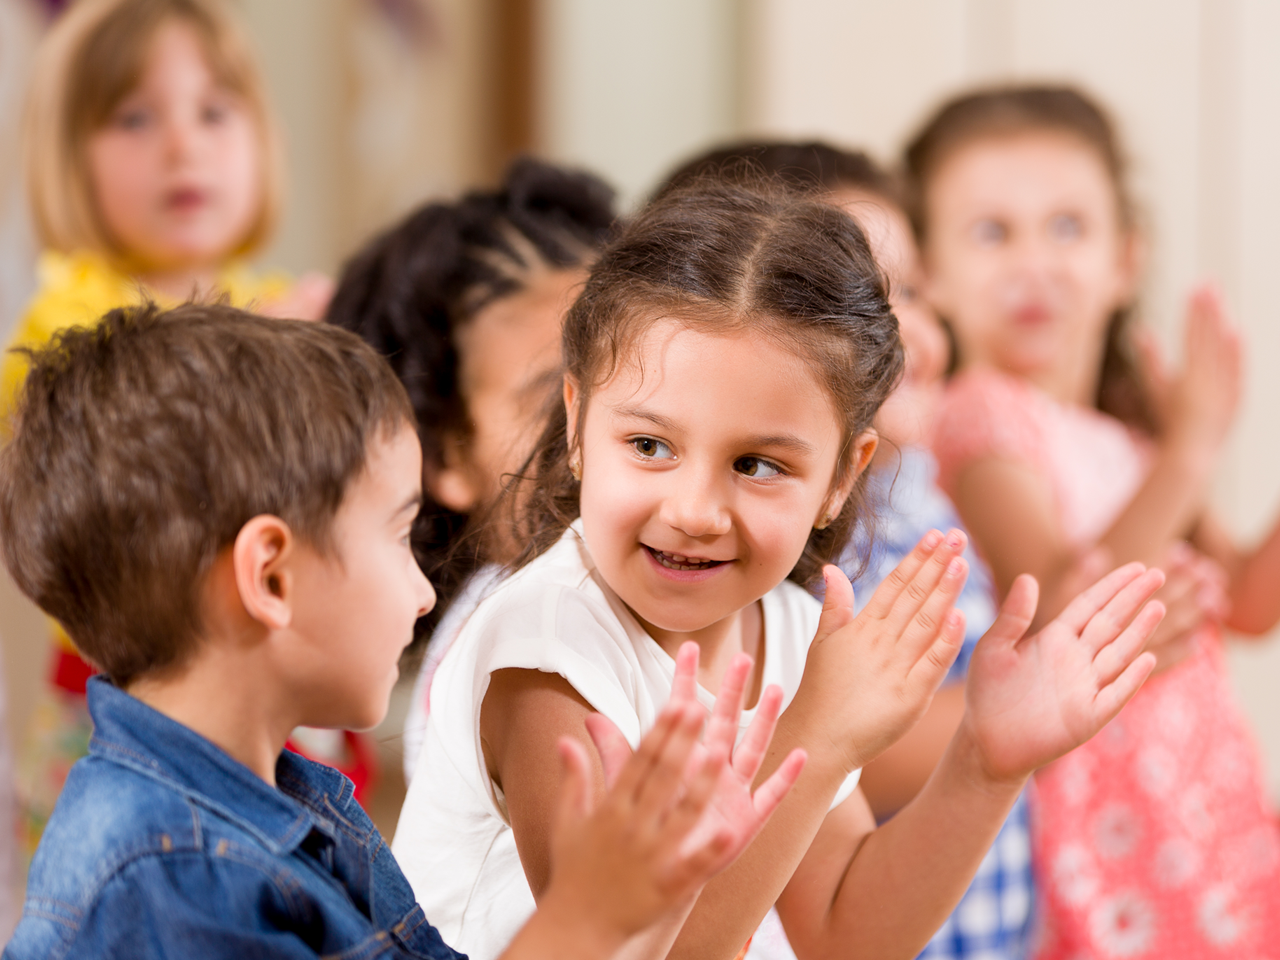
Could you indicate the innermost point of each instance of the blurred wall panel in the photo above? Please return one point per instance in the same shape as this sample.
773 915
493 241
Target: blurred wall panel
1195 85
630 87
301 46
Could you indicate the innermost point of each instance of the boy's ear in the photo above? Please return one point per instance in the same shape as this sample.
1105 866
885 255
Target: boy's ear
452 485
262 559
861 451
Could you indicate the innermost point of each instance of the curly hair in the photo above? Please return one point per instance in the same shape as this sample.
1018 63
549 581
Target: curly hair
410 290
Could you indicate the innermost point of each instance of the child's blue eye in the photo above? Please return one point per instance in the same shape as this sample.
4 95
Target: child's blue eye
132 119
990 232
1066 226
755 467
651 449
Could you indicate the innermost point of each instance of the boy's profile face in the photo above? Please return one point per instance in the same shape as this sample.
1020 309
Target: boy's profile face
355 606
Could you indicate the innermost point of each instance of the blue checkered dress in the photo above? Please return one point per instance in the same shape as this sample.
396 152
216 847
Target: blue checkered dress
993 920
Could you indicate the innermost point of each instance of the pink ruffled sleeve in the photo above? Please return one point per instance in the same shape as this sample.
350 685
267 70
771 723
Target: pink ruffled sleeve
988 414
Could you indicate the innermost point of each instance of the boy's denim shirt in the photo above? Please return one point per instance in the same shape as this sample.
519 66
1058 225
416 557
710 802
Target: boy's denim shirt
161 845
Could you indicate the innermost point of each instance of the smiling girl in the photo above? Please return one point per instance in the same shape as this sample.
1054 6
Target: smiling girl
723 366
1154 840
152 169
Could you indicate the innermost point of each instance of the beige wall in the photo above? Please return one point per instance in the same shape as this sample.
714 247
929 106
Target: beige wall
1195 85
630 87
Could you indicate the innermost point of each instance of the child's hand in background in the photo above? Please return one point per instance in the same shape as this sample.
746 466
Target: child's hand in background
1196 407
1031 699
869 678
1194 594
677 811
307 299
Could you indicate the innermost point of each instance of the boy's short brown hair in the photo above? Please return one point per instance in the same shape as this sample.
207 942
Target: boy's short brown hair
142 445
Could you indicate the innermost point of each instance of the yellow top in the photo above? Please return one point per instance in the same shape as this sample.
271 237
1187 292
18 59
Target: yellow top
77 289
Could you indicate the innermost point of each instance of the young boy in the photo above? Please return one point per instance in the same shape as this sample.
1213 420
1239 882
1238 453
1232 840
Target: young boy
217 508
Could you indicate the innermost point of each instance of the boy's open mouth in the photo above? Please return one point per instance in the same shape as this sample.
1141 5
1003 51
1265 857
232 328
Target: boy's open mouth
674 561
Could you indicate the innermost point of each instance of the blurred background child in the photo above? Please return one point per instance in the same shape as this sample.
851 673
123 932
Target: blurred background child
1154 840
466 300
153 170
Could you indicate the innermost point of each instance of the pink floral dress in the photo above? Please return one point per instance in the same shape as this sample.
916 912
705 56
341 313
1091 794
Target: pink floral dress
1153 839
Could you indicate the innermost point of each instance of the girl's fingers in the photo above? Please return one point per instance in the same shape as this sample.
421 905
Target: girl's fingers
772 792
926 580
1082 609
684 686
610 744
930 669
635 773
923 629
1107 624
665 776
1016 613
723 727
1113 697
749 754
575 784
837 602
886 595
1115 656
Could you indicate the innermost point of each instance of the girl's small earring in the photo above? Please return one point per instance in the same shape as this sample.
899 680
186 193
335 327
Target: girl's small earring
824 522
575 467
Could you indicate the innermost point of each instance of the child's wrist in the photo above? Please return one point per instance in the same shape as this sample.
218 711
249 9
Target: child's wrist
806 724
970 764
567 927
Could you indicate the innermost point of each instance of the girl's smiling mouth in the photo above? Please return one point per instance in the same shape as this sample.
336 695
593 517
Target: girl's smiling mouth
679 566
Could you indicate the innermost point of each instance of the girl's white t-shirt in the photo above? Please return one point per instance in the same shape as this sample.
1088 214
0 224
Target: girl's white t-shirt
557 615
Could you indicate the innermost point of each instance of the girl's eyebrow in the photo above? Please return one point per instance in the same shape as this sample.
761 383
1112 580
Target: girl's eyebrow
640 413
785 440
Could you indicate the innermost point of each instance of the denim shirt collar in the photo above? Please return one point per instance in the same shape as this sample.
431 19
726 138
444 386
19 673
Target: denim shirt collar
132 734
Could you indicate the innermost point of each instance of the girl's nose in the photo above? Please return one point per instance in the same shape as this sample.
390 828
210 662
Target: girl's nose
426 593
182 136
696 505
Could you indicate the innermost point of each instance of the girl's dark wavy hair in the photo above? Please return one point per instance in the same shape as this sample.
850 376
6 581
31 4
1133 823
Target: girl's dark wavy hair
1008 111
726 257
805 166
410 289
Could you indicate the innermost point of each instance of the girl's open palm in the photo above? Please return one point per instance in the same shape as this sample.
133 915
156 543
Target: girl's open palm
733 813
1031 699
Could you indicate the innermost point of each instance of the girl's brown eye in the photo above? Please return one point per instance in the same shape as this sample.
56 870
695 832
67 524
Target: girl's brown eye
755 467
651 449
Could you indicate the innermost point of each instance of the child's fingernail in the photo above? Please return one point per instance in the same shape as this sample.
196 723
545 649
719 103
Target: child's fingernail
956 567
954 540
931 539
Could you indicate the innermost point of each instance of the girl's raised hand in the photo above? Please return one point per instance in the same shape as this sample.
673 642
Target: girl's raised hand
1031 699
733 811
869 678
1201 403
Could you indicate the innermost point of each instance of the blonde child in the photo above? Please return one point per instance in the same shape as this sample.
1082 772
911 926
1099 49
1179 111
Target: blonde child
723 365
153 170
465 299
1154 839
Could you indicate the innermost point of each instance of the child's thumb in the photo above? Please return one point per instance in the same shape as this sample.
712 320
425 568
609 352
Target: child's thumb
1016 613
575 784
837 604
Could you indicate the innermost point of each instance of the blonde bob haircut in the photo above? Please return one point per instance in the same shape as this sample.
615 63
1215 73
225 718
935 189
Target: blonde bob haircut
92 59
